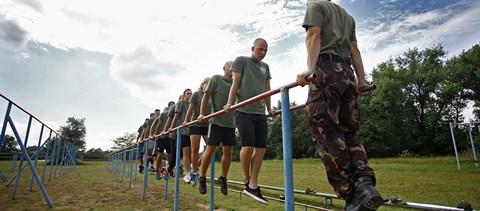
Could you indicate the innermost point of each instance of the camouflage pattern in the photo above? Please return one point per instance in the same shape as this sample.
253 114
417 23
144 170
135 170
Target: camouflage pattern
334 121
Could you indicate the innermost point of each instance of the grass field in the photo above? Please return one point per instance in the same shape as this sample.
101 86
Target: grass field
422 180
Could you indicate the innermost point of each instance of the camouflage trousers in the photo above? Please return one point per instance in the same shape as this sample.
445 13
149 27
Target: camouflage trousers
333 117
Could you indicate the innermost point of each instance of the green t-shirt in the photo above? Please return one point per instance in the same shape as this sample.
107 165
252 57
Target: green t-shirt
163 119
196 100
254 75
150 121
181 107
140 129
219 88
171 114
337 27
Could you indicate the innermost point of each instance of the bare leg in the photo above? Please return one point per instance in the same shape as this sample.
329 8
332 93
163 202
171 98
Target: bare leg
245 159
158 161
226 160
195 146
257 159
186 158
206 159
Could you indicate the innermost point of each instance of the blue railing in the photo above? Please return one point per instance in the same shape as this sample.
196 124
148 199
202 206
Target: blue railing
62 163
114 158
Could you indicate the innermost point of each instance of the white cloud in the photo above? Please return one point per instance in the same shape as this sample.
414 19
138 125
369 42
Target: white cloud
382 40
159 48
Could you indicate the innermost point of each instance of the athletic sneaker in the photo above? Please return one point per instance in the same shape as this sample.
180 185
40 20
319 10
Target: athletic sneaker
152 169
158 174
194 179
203 185
255 194
366 198
223 185
164 173
140 169
187 178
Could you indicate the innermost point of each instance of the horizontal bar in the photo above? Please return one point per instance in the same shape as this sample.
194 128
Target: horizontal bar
28 113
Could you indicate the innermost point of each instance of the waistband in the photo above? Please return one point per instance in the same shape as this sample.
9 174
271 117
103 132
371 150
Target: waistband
333 58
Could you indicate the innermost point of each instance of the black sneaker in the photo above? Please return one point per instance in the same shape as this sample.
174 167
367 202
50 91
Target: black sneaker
223 185
255 194
140 169
202 187
366 198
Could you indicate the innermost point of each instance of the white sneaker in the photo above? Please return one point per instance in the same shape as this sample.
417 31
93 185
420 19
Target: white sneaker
187 178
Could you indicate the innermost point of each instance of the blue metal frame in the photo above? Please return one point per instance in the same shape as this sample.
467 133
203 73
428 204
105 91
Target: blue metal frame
24 156
287 151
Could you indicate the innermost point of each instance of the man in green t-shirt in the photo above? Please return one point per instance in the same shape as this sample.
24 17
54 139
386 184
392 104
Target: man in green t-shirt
180 112
171 137
197 130
332 103
222 128
162 143
140 149
251 77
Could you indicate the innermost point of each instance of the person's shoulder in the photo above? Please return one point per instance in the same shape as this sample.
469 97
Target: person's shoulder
215 77
241 58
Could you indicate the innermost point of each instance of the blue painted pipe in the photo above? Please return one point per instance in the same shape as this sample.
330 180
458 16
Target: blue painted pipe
287 150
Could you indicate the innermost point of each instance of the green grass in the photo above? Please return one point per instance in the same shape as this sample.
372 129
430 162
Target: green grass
422 180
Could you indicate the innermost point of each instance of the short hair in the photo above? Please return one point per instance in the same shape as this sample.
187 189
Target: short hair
225 65
258 40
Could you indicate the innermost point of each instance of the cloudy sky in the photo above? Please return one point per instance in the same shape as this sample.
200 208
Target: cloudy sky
114 62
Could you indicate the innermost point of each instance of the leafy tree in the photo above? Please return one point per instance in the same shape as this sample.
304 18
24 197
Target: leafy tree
74 132
417 95
123 141
463 75
96 154
9 144
302 145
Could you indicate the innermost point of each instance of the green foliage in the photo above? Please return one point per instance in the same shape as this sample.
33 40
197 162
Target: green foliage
123 141
96 154
9 145
74 132
418 94
302 145
406 154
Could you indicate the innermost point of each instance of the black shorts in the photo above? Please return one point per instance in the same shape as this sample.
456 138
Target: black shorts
198 130
253 129
162 145
185 141
218 134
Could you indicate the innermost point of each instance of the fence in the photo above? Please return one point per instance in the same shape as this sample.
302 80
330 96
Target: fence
59 156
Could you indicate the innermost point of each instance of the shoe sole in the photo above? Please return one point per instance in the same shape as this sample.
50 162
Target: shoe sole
202 192
373 204
255 197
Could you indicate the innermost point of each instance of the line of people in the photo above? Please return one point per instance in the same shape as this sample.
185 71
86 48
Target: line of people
243 78
333 115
